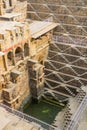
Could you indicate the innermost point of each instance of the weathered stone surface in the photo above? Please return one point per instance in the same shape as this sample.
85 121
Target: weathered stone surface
22 53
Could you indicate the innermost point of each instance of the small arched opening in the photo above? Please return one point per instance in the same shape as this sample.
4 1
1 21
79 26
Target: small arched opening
10 2
18 54
10 58
4 4
41 59
26 49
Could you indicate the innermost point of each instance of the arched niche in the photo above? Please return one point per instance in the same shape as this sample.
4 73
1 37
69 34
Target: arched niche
18 54
10 58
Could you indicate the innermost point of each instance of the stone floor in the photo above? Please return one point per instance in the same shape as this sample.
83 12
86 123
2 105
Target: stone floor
12 122
82 125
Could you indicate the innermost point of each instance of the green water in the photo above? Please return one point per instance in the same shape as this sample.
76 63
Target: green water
42 111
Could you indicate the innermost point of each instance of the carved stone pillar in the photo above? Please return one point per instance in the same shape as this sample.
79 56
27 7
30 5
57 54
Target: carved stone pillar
1 8
36 78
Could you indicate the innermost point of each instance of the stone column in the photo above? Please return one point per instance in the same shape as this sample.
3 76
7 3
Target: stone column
7 4
36 79
5 62
13 2
1 8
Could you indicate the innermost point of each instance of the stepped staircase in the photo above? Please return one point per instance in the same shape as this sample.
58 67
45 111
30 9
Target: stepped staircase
74 109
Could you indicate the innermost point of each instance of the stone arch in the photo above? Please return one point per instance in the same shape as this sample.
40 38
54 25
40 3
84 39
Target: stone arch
10 58
26 49
18 54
